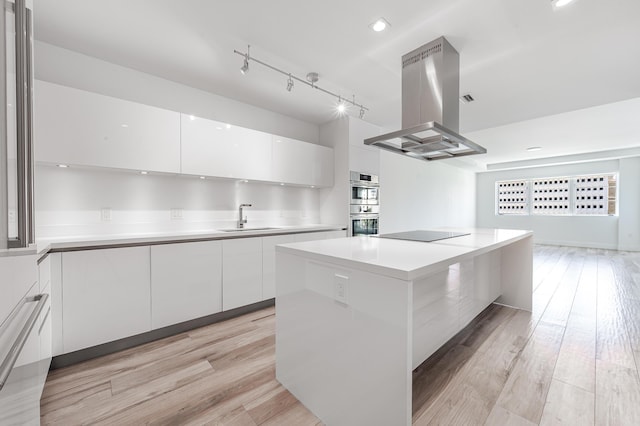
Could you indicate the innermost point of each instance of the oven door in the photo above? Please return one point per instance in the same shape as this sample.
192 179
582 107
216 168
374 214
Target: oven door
364 224
361 194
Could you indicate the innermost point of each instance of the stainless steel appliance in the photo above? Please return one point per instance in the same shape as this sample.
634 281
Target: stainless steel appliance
364 188
25 319
365 204
430 106
16 134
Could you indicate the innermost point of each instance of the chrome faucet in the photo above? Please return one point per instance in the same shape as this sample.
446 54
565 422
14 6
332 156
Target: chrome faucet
242 220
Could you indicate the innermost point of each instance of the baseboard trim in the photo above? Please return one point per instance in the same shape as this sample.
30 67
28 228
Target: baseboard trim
86 354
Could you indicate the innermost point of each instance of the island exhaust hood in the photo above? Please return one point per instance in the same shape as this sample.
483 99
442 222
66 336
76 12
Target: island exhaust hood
430 106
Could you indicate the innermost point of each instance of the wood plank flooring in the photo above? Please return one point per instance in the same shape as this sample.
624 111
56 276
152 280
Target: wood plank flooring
573 360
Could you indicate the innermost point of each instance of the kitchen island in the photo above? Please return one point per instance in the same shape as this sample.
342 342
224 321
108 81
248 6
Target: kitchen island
355 316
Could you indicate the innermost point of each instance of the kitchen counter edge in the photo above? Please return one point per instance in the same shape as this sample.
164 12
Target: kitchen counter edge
62 244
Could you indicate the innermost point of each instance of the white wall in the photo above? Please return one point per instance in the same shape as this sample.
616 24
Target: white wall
581 231
69 68
69 203
416 194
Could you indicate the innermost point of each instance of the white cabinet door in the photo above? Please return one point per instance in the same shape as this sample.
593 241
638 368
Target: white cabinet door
186 281
269 262
364 160
335 234
241 272
212 148
84 128
45 321
291 161
311 236
106 295
301 163
322 163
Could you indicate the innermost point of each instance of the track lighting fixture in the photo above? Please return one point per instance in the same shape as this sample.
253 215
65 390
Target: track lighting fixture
289 83
245 65
311 80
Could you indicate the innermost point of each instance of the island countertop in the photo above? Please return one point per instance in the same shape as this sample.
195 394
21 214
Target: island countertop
405 260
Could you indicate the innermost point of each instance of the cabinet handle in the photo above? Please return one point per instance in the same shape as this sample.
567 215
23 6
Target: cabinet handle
30 170
16 348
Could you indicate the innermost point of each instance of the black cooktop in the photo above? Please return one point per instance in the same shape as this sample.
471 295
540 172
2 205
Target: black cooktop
424 236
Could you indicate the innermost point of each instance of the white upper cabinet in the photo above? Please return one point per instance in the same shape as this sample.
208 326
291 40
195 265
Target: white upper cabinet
72 126
212 148
301 163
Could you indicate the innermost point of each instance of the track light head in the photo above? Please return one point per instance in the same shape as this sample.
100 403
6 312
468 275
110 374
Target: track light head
289 83
361 113
341 108
245 66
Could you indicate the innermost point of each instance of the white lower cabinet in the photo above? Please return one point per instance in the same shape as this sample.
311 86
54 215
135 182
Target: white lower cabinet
269 262
335 234
241 272
103 295
324 235
106 295
186 281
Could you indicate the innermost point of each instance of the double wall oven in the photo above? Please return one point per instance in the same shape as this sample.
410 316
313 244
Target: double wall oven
365 203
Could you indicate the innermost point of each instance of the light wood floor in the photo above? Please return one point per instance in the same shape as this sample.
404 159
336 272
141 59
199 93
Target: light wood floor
573 361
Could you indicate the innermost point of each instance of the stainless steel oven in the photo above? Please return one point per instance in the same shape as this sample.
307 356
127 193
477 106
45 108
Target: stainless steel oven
364 188
365 204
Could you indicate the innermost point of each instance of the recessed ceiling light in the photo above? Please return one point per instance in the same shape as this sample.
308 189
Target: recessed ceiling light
192 117
560 3
534 148
62 166
143 173
380 24
282 184
228 126
124 125
202 177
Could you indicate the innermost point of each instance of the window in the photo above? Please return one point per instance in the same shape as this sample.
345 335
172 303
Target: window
593 195
551 196
596 195
513 197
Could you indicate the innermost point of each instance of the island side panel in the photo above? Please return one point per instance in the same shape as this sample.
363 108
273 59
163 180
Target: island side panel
349 363
447 301
517 274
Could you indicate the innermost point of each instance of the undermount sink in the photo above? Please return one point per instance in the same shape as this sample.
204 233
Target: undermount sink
245 229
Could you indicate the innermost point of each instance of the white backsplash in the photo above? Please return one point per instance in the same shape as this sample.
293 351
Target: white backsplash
69 202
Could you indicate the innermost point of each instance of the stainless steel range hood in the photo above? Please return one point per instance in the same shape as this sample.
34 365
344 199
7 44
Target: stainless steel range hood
430 106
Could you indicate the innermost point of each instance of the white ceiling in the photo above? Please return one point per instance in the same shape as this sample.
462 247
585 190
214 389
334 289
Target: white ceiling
520 59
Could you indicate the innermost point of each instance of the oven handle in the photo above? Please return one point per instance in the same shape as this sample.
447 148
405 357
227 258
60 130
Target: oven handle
16 348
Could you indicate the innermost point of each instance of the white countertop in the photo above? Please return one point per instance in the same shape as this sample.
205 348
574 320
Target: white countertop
45 245
406 260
